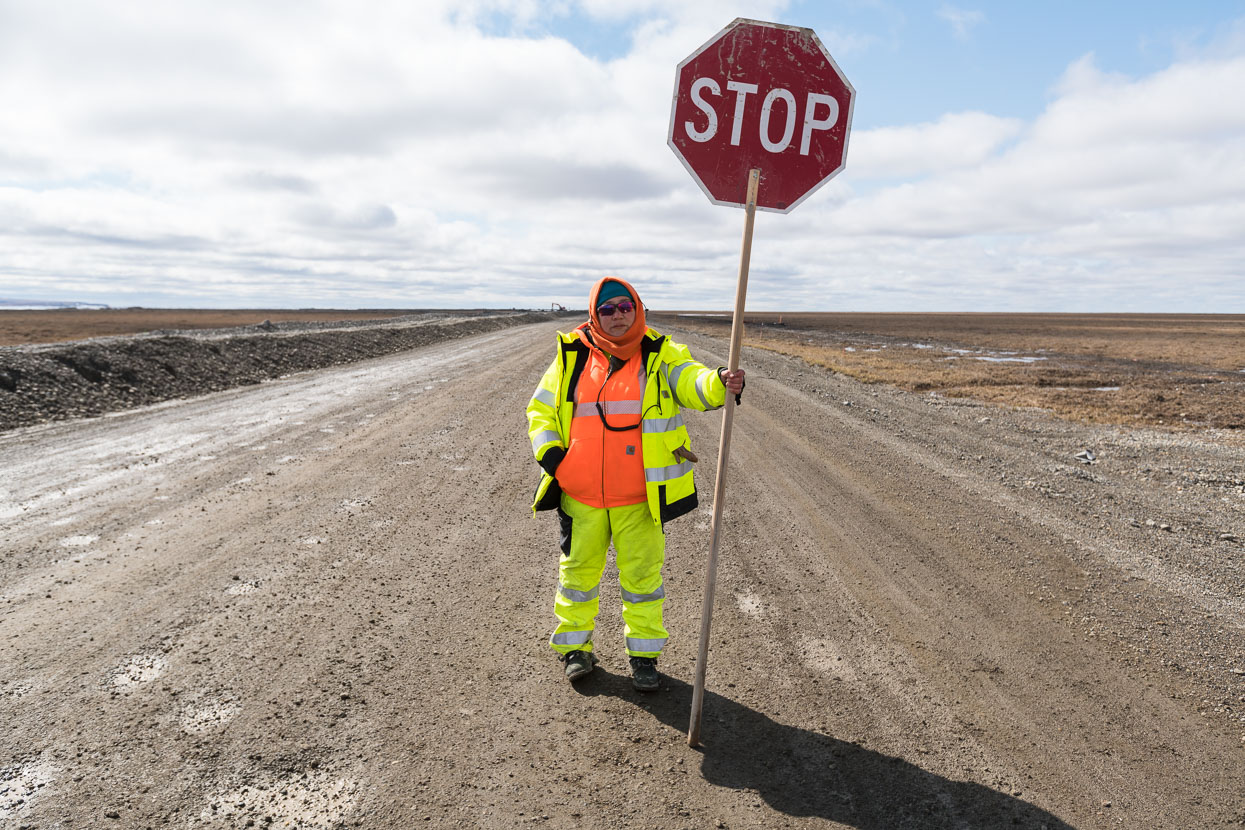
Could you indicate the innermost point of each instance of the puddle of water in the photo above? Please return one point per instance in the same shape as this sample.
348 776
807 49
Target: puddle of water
1106 389
990 359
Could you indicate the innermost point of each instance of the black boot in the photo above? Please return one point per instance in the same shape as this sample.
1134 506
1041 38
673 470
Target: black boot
579 663
644 674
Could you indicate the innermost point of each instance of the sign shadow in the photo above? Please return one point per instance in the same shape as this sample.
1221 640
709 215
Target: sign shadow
802 773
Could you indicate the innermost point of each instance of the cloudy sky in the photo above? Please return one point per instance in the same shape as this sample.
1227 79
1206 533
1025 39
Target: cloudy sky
429 153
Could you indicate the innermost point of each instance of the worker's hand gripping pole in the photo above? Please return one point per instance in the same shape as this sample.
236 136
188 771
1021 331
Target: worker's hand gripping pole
719 488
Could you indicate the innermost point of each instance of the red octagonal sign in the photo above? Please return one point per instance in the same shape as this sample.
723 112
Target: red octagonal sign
761 95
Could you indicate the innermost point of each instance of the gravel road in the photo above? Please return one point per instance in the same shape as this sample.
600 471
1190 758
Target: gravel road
321 601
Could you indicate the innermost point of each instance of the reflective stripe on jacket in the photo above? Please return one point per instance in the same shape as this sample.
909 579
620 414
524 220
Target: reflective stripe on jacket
672 380
604 467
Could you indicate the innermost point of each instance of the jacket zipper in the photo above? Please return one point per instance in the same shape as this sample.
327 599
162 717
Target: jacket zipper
604 435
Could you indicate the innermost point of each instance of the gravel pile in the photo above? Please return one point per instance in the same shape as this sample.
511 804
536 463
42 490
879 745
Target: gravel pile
59 381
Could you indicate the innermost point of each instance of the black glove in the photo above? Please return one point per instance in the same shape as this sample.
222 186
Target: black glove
551 459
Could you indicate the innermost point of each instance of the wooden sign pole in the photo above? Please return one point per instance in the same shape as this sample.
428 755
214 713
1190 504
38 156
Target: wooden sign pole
719 488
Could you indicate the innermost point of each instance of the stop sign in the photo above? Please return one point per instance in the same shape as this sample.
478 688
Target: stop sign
761 95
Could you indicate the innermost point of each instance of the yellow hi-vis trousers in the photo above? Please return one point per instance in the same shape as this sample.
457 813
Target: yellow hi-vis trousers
640 547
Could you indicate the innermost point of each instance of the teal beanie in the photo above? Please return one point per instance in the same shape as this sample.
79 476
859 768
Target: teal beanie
612 291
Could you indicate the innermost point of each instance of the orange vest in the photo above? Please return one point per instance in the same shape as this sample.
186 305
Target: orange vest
604 467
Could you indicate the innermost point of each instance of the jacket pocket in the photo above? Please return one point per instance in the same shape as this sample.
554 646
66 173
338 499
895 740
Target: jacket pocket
674 439
580 471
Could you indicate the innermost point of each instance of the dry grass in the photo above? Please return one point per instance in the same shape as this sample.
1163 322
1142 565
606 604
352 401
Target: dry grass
1160 370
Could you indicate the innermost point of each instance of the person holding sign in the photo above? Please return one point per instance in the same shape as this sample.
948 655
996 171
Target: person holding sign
606 428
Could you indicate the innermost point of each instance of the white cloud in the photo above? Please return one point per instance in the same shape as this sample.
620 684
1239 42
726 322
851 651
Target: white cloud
1120 183
955 141
961 20
416 154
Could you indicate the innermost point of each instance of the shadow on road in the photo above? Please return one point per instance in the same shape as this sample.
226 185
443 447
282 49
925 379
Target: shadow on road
803 773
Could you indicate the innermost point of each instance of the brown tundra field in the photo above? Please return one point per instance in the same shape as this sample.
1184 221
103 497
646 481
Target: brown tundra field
1172 370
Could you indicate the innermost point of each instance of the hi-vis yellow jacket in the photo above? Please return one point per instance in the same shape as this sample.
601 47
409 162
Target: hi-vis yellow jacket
672 380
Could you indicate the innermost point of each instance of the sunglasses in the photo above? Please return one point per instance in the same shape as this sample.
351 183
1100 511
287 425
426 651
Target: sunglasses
625 307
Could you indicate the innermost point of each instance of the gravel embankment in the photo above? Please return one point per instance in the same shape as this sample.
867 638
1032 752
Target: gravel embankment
59 381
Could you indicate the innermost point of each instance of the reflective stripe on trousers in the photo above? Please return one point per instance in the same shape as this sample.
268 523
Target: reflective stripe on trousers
579 596
640 648
660 593
641 549
572 638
